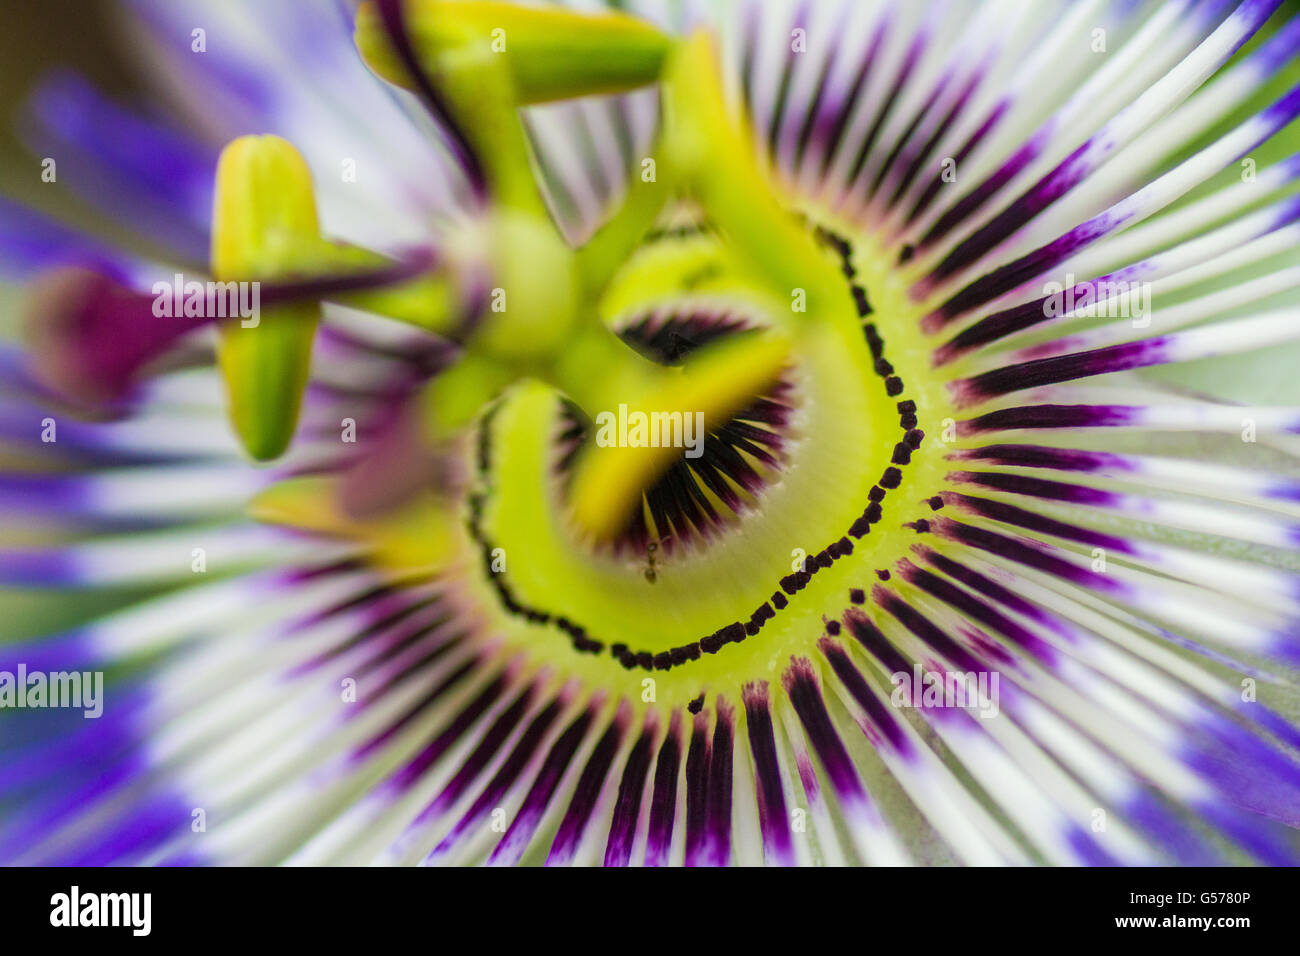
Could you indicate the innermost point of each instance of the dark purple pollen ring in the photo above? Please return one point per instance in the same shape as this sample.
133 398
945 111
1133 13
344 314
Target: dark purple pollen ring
801 684
873 640
392 13
905 69
773 819
1032 521
892 160
992 589
663 800
974 200
390 731
717 843
489 743
526 819
627 805
1007 277
937 183
1052 416
1015 319
502 780
920 625
1044 456
400 634
1061 180
888 726
586 793
916 158
1038 488
431 752
1022 553
832 120
977 610
1061 368
697 792
1050 188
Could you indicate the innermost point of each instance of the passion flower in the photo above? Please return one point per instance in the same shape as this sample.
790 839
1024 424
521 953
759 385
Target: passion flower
945 577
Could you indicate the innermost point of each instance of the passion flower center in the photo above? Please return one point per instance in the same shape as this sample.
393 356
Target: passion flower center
765 586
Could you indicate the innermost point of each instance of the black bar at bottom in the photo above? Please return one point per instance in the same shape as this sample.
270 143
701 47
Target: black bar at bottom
440 907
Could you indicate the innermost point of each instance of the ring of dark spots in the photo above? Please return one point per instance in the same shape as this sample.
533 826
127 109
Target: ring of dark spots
874 341
735 632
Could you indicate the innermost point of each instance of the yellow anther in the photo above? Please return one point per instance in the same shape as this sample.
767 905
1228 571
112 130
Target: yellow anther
265 227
